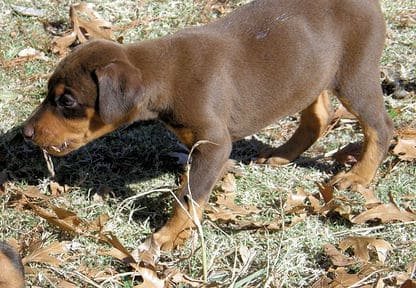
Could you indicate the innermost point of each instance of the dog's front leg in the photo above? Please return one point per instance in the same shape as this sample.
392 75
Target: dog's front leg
208 161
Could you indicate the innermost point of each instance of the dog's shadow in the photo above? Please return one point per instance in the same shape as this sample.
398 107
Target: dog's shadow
140 152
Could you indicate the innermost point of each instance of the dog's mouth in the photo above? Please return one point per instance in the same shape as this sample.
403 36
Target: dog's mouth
62 149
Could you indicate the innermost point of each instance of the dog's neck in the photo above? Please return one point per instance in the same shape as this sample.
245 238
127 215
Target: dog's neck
154 62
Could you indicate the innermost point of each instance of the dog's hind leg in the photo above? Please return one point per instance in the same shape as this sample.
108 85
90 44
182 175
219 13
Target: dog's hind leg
313 123
365 101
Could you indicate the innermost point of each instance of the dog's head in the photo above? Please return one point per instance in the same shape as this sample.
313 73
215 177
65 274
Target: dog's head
93 91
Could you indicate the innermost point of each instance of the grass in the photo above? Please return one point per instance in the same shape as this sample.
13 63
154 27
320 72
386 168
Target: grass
136 160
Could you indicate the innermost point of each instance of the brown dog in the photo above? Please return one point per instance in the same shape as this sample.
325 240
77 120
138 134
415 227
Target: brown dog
224 81
11 268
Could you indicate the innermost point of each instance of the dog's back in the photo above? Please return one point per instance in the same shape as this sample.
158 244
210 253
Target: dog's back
286 49
11 268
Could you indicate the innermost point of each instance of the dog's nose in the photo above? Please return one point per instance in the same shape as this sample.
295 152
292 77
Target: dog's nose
28 131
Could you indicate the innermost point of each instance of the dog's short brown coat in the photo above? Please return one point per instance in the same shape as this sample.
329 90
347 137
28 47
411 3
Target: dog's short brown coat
11 267
226 80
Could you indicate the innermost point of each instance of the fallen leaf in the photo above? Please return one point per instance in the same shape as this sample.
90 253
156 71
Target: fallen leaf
228 183
43 254
226 210
66 284
296 202
337 258
118 251
61 44
405 148
57 189
262 226
87 24
62 218
385 213
363 245
326 190
339 206
369 196
150 278
33 192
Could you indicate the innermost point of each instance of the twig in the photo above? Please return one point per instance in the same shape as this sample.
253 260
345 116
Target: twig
49 163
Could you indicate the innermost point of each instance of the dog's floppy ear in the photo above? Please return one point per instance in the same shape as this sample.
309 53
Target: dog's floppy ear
119 90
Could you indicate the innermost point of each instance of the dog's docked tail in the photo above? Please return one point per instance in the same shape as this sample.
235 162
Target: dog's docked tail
11 268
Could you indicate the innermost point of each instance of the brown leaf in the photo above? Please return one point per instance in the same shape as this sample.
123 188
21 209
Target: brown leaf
326 190
34 192
43 254
385 213
228 183
64 219
61 44
226 210
262 226
57 189
315 204
98 223
405 148
88 24
296 202
369 196
363 245
337 258
150 278
118 251
66 284
342 208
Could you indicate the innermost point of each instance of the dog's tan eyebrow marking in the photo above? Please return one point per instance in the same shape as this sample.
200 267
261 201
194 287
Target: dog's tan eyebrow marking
59 90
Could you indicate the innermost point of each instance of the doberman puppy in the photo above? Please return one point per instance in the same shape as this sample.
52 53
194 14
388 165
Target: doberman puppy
11 268
224 81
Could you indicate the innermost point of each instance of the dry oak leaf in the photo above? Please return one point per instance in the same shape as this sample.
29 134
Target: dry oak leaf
117 251
43 254
385 213
363 245
326 190
405 148
226 210
87 24
337 258
228 183
62 218
296 202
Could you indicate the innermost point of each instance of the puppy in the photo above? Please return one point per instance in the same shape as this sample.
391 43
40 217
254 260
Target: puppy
11 268
224 81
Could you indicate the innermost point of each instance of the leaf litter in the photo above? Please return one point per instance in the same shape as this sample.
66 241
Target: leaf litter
87 24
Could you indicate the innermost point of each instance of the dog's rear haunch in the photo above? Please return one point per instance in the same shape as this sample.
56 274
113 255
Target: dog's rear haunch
224 81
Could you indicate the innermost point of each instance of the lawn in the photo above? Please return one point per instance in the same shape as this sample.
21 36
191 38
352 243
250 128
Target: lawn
275 229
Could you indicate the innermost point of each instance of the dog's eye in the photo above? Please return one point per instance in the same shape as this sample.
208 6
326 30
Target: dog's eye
66 100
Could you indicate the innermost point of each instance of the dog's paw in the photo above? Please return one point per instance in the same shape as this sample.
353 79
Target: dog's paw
168 240
273 161
349 180
275 157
